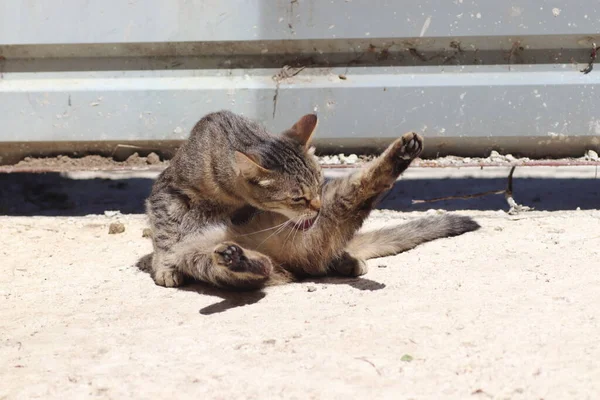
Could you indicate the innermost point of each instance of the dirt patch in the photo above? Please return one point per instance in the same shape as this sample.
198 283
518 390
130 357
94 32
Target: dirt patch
93 162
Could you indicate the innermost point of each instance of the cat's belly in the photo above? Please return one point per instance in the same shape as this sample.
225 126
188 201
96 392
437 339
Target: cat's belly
301 252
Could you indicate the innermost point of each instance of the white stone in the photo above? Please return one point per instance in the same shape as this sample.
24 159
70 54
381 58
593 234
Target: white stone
591 155
495 156
352 159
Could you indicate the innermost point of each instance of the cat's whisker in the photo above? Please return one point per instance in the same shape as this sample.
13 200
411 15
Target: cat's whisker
305 236
278 231
263 230
300 218
294 221
291 234
281 228
288 236
295 233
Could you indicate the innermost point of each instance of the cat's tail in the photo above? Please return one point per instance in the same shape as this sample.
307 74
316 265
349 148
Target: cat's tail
394 240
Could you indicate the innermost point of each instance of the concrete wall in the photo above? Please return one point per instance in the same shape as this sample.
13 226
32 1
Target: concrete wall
470 75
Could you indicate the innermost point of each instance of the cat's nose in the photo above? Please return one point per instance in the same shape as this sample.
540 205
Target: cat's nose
315 204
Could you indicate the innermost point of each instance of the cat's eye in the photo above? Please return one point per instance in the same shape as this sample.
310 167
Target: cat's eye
298 199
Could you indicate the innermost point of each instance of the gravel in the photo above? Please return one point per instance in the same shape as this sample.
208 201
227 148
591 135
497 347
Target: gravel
153 161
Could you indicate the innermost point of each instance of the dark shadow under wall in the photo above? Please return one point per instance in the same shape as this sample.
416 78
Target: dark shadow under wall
50 194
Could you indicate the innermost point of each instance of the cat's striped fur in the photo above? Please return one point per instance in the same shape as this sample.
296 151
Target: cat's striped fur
240 208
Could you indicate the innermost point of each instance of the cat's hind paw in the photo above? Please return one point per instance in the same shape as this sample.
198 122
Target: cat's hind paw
238 260
229 255
349 266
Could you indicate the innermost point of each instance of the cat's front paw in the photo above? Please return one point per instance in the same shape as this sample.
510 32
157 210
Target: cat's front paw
409 146
238 260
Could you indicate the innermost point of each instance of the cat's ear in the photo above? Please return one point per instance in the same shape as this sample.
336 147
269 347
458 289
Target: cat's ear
303 130
247 165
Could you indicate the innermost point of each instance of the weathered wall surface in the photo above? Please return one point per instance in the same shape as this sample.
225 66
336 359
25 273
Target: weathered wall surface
470 75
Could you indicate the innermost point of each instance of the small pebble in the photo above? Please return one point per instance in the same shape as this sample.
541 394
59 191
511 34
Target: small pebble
147 233
311 289
110 213
342 77
116 227
382 266
153 158
133 158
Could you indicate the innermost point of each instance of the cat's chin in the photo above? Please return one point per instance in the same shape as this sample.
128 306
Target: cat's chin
305 224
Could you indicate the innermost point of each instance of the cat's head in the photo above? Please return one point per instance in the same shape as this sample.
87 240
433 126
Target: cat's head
284 176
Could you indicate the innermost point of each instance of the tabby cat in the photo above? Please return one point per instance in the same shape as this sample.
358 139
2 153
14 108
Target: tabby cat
241 208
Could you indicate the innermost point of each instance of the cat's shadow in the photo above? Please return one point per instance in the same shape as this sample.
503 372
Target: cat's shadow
359 283
232 299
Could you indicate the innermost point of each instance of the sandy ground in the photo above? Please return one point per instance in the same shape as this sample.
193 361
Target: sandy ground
508 312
